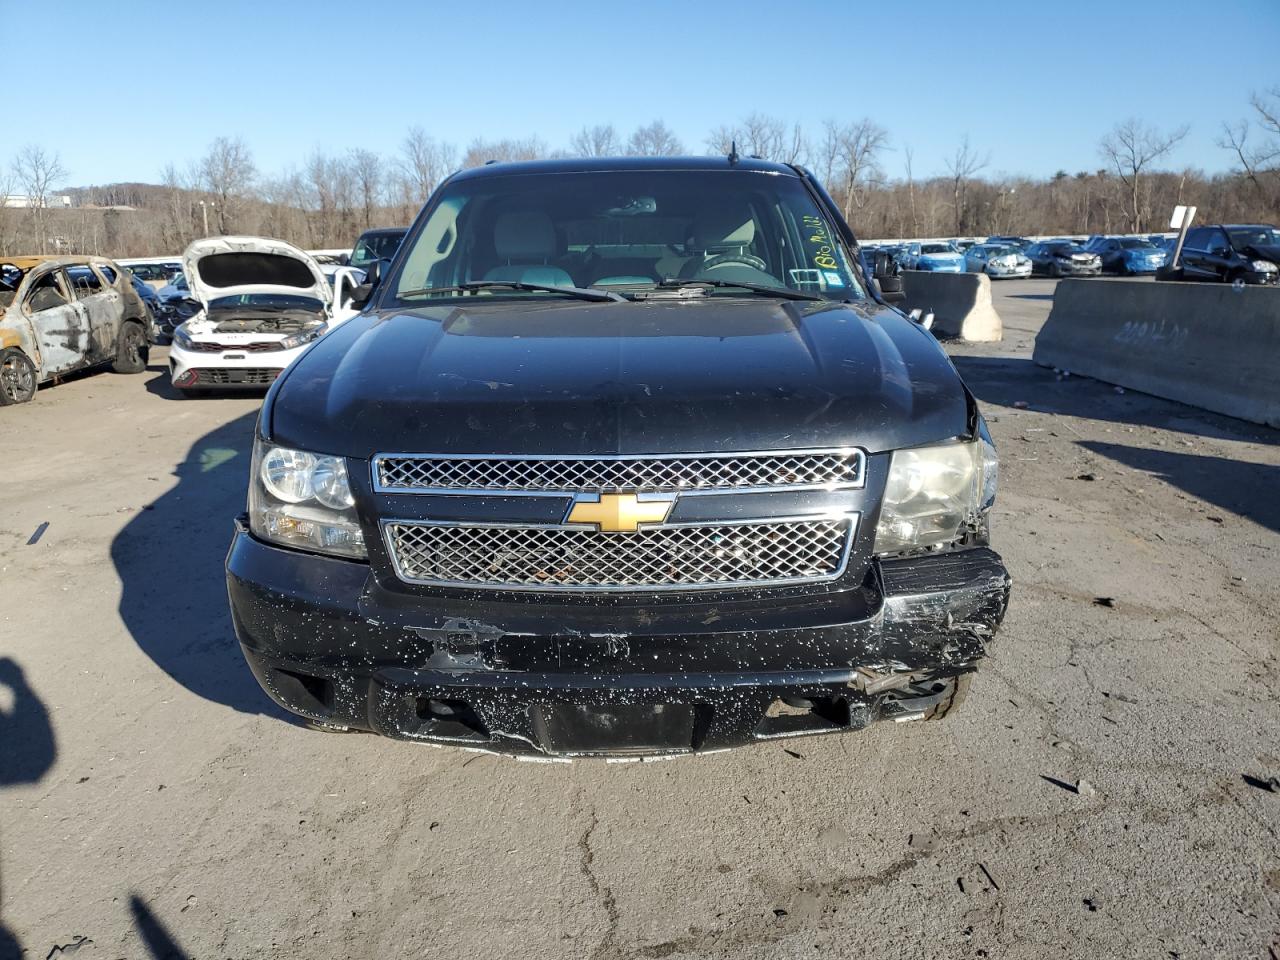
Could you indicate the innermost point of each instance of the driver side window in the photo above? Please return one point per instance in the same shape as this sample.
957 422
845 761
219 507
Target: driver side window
48 292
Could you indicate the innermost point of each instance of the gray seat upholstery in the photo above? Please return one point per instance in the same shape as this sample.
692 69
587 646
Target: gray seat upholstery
526 241
719 229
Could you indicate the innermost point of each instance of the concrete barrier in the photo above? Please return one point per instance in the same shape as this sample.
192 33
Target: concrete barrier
1205 344
960 303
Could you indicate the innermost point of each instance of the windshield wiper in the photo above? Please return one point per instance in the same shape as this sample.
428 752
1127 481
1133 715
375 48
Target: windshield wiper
786 293
598 296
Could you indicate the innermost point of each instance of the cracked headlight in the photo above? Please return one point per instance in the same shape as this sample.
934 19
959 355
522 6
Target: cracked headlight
302 337
303 500
934 494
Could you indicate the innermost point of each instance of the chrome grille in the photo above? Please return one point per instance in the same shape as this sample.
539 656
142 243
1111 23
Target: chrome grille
659 558
672 474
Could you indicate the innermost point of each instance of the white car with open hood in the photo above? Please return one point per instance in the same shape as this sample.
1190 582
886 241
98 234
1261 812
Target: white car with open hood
262 302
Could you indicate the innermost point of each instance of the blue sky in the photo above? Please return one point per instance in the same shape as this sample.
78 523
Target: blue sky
1035 84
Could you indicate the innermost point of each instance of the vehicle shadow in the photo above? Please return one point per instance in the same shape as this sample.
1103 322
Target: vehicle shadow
28 748
159 384
169 559
1237 486
1006 381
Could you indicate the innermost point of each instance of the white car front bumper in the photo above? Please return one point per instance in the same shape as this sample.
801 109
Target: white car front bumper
229 368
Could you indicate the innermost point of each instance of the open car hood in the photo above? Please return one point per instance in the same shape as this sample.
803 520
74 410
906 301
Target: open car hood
228 266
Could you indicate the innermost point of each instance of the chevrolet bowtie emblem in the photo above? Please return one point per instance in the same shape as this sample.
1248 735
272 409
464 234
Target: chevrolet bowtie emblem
620 512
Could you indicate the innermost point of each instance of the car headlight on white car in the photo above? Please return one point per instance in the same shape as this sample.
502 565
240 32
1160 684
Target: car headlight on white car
935 493
303 500
303 336
181 338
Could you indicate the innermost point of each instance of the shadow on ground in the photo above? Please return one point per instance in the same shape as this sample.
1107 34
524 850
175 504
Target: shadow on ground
1246 489
1006 381
160 943
27 751
169 559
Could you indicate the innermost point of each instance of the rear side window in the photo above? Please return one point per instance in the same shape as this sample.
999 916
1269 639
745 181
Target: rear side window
108 273
84 281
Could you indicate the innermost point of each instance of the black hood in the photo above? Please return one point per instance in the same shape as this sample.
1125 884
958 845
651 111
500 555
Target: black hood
562 378
1264 252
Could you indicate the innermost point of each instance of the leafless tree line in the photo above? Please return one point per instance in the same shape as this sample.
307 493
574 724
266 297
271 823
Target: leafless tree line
329 197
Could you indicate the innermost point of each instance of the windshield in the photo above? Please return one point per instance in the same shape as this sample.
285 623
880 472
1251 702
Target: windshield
1137 244
627 231
266 301
1254 237
377 246
936 248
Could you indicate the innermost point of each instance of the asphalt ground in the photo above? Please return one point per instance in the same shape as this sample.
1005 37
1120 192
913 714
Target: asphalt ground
1109 789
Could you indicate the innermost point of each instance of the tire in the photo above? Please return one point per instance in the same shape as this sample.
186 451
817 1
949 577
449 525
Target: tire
959 690
18 377
1168 273
1055 271
131 348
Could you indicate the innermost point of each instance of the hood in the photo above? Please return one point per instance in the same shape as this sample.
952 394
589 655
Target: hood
1264 252
943 257
226 266
559 378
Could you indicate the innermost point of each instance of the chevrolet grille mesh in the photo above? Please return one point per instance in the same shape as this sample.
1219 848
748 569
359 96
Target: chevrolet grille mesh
660 558
606 474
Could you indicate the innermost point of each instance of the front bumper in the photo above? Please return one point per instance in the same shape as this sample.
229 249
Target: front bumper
328 642
1009 273
228 369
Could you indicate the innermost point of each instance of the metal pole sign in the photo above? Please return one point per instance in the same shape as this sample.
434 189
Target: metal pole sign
1181 221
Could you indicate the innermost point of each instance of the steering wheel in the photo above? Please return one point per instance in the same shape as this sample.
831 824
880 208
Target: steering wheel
744 258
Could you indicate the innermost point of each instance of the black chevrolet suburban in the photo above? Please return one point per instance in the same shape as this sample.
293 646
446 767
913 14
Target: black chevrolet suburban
623 457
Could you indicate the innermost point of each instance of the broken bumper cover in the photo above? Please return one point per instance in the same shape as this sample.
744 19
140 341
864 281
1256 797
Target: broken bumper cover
328 643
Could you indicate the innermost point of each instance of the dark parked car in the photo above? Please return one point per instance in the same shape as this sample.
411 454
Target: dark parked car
1249 253
381 243
622 457
1127 255
1063 258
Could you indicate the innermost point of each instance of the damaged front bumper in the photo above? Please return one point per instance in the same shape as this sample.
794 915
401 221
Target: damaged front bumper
329 643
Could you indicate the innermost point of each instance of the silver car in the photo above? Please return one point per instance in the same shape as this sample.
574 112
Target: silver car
997 260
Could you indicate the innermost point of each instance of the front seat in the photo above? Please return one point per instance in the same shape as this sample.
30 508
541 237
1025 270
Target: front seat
526 240
717 231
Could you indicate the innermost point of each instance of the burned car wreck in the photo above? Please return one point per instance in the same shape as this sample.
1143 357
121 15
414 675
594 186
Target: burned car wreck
623 457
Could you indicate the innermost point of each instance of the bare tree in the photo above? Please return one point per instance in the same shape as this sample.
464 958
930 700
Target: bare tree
858 147
1259 159
227 172
8 214
759 135
1130 148
480 152
654 140
366 168
602 140
911 191
424 162
961 168
37 172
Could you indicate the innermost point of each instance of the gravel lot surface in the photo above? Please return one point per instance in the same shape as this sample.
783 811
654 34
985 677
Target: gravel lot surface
1111 788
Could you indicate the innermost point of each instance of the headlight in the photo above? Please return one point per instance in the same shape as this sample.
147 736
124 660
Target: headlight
181 338
302 336
1263 266
934 493
303 500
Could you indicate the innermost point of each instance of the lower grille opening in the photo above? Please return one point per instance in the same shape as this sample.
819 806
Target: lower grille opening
313 696
799 716
224 376
451 719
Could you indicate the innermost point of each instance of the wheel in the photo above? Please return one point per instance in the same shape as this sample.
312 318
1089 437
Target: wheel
131 349
17 377
1055 271
959 690
1169 273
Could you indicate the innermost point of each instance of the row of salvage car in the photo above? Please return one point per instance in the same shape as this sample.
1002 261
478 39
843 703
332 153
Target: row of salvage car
250 306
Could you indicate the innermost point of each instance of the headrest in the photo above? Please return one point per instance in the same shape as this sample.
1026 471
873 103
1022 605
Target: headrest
730 225
524 235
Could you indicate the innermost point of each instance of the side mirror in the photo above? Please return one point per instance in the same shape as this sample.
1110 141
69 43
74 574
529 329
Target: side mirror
891 289
373 275
924 319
